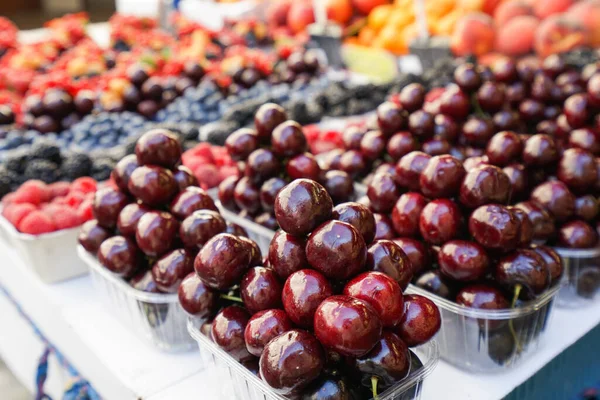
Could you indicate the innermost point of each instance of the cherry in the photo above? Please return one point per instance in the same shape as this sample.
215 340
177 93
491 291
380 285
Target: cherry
303 291
577 168
421 124
455 103
92 235
158 147
553 262
339 185
482 296
525 227
107 205
129 218
435 147
153 185
467 77
441 177
222 261
256 258
382 292
412 97
490 96
543 224
485 184
420 322
388 361
156 232
540 150
586 139
477 131
576 110
330 387
372 145
286 254
303 166
241 143
433 281
383 227
200 227
517 176
143 281
268 192
525 268
347 325
383 193
504 70
301 206
463 260
264 326
531 110
123 171
440 221
409 168
189 200
84 102
516 93
359 216
352 162
226 192
169 271
387 257
406 213
228 331
291 361
577 235
542 87
474 162
120 256
505 120
494 227
246 195
390 118
195 297
417 253
352 137
288 139
504 148
445 128
261 165
267 118
260 289
587 207
555 197
527 68
184 177
337 250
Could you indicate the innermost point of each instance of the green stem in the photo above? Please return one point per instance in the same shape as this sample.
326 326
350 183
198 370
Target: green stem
374 381
231 298
516 294
478 110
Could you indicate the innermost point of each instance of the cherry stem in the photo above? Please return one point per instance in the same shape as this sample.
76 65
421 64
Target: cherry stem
476 106
516 294
374 381
231 298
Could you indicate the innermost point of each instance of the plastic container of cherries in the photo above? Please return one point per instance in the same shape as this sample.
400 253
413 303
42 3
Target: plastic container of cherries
581 280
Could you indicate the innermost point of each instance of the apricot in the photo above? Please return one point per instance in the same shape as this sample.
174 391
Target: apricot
587 14
339 11
510 9
277 12
447 23
379 16
517 36
365 6
474 34
558 34
300 16
545 8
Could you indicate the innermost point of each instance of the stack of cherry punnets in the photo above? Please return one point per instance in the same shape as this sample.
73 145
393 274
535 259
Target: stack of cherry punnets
41 223
324 312
146 233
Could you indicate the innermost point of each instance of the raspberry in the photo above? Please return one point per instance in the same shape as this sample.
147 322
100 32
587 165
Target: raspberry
84 212
201 150
60 200
9 198
196 162
59 189
84 185
29 194
207 175
36 223
227 171
64 217
14 213
74 199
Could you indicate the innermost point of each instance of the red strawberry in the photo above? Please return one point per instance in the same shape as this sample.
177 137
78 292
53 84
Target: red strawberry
36 223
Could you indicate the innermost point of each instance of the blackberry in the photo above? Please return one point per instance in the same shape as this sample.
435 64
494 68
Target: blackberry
8 181
217 132
45 150
15 161
101 168
579 58
75 166
43 170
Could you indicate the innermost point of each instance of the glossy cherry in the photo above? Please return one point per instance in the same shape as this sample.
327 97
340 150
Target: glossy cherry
264 326
483 185
170 270
420 322
409 168
153 185
189 200
389 361
390 118
286 254
92 235
303 291
504 148
542 222
494 227
200 227
158 147
241 143
120 256
246 195
359 216
555 197
155 233
184 177
407 212
440 221
436 283
107 205
526 268
123 171
303 166
383 193
482 296
267 118
339 185
441 177
417 252
226 192
400 144
222 261
261 165
288 139
577 168
587 207
578 235
195 297
260 289
228 331
412 97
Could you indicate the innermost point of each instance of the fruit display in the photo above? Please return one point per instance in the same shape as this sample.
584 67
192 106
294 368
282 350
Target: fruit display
273 154
327 301
36 208
209 164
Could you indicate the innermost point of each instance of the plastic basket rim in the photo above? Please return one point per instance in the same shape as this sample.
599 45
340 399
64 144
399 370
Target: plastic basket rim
593 252
401 386
14 233
503 314
95 266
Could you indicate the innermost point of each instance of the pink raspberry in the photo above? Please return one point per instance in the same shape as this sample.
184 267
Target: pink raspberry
36 223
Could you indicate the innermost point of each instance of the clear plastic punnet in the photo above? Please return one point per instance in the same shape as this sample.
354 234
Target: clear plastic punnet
581 277
156 317
487 341
245 385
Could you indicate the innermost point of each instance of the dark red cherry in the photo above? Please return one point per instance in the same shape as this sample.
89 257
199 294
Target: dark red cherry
123 171
482 296
383 227
352 162
222 261
435 147
555 197
189 200
195 297
383 294
372 145
359 216
463 260
585 139
389 361
587 207
420 322
92 235
383 193
504 148
553 262
246 195
169 271
494 227
107 205
339 185
143 281
303 291
241 143
441 177
261 165
329 387
301 206
388 257
264 326
540 150
455 103
421 124
474 162
577 168
154 186
288 139
525 228
200 227
525 268
286 254
352 137
303 166
347 325
228 331
577 235
184 177
406 213
256 258
490 96
505 120
517 175
434 282
390 118
291 361
576 110
504 70
412 97
417 253
268 192
477 131
516 93
337 250
267 118
158 147
483 185
531 110
467 77
445 128
120 256
155 233
440 221
543 223
226 192
409 168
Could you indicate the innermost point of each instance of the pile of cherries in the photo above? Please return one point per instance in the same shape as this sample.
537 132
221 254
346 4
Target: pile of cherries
324 314
150 227
271 155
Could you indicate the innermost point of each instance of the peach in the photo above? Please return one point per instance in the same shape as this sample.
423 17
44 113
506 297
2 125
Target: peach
545 8
517 36
473 34
277 12
510 9
339 11
587 14
300 16
365 6
557 34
